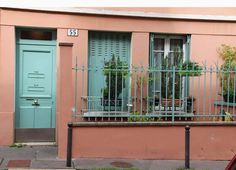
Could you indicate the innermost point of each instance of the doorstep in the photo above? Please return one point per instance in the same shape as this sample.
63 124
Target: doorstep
37 143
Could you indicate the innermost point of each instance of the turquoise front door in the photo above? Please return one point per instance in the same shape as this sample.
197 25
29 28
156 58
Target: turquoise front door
35 93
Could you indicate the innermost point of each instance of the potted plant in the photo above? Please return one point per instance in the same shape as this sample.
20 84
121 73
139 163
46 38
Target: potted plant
227 72
115 72
189 68
190 101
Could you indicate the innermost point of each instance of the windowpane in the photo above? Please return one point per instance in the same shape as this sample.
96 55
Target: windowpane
159 44
176 44
36 35
175 58
158 58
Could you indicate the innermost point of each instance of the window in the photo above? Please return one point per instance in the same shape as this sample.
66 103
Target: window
103 48
167 53
35 35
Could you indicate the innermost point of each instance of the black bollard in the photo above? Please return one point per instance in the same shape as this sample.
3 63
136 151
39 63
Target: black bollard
187 147
69 146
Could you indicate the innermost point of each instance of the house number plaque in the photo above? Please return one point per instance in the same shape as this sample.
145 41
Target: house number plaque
72 32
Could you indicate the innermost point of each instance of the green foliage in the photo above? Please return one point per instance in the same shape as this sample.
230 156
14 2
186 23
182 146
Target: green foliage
137 117
19 145
115 72
189 68
228 54
141 81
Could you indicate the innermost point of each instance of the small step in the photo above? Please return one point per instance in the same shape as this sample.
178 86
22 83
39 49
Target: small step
37 143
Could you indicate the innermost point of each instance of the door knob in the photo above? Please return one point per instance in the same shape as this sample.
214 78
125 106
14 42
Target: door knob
35 102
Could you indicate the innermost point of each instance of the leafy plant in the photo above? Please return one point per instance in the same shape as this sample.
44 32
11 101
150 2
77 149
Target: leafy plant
227 75
172 60
115 72
18 145
137 117
189 68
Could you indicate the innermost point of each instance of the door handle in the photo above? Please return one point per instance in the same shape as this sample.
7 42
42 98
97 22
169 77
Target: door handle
29 99
35 102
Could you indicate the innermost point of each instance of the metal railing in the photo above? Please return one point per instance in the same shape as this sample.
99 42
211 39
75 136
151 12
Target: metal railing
154 94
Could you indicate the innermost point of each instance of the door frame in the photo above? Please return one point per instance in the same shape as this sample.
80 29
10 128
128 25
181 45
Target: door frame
18 42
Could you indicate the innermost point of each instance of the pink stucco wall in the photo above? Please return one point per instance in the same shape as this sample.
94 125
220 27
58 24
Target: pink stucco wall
7 74
206 38
94 22
159 142
64 103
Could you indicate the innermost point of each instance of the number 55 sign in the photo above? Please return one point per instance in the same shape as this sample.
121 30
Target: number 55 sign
72 32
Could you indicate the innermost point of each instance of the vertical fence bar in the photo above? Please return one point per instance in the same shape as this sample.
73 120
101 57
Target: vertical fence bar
228 87
141 92
216 91
222 92
173 95
198 98
192 99
69 145
135 89
180 93
82 93
75 88
160 92
109 91
210 95
166 89
154 90
187 147
89 91
116 87
122 91
204 92
234 88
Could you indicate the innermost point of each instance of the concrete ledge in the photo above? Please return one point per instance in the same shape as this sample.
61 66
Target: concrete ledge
135 124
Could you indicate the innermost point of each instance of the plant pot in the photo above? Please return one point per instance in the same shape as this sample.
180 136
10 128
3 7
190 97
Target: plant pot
190 102
229 99
169 103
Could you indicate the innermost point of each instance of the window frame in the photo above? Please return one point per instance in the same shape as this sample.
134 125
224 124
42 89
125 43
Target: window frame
185 49
167 39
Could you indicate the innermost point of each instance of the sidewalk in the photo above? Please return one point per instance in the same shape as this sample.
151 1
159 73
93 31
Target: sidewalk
45 157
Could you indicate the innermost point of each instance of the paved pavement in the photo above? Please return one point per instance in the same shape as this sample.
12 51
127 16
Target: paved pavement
45 157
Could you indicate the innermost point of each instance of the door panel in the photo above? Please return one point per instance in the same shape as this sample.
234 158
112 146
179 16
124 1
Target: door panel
35 92
43 117
26 117
36 71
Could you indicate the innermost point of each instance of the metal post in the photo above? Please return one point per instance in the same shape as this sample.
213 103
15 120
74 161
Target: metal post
173 95
69 146
187 146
